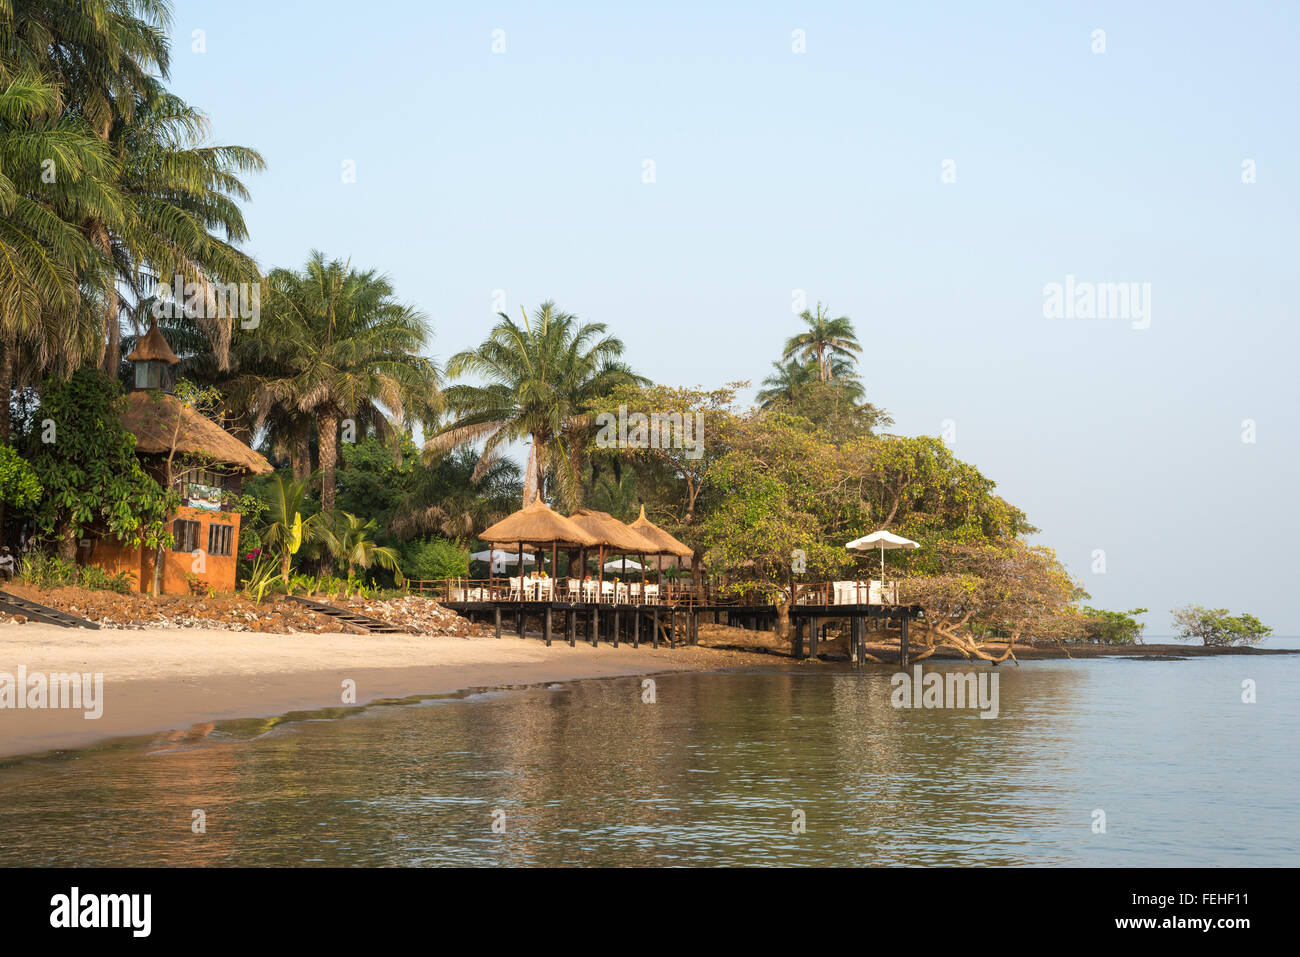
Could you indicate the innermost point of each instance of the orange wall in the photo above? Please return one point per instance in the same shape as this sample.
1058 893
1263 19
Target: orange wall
111 555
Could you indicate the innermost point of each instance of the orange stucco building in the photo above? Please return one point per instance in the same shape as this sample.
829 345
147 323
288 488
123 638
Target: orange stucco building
207 467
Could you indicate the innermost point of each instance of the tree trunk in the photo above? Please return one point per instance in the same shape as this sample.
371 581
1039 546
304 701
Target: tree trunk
8 356
329 453
159 556
112 307
531 486
300 455
8 359
782 616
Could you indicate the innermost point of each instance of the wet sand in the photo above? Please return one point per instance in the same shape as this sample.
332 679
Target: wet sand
173 679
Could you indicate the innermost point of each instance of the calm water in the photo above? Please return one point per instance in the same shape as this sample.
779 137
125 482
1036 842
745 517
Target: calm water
587 774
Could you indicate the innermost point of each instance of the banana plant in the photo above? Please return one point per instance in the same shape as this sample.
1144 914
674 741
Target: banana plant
288 530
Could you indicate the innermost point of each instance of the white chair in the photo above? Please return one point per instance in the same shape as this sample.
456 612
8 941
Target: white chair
882 594
546 589
620 593
573 589
652 594
516 589
607 591
634 592
589 590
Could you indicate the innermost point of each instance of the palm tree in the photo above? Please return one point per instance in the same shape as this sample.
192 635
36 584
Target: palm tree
107 59
183 217
785 382
287 530
100 54
48 270
333 343
826 339
540 376
452 503
351 540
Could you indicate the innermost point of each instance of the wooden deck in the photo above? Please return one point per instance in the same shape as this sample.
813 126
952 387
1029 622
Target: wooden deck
679 623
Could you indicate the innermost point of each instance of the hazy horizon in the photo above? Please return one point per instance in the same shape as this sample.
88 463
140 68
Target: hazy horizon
828 171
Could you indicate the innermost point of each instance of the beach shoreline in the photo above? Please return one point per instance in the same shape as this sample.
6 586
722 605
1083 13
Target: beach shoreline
179 681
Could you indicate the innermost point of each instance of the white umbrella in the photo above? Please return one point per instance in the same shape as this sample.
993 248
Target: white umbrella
882 540
501 559
625 564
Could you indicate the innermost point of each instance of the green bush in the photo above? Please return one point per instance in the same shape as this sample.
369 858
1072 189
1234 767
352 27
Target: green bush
435 558
1112 627
50 571
18 483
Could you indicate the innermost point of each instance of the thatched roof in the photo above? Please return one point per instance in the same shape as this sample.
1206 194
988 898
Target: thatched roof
609 531
152 347
664 543
151 417
539 525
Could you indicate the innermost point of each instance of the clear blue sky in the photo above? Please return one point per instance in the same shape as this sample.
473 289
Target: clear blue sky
820 171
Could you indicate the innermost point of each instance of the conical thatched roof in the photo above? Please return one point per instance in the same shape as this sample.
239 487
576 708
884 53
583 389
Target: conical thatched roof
153 348
609 531
664 543
539 525
151 416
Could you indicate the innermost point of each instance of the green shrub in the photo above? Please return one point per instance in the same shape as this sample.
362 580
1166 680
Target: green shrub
435 558
1112 627
50 571
18 482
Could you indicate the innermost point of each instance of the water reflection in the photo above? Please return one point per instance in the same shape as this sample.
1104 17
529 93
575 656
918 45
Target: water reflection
586 774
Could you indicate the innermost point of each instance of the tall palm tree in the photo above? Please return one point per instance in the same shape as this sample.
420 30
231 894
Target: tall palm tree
334 344
539 377
825 340
182 211
51 169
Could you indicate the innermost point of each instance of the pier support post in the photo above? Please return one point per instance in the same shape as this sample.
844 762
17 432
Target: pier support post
519 620
571 624
546 626
498 617
797 650
855 640
595 626
814 626
636 628
618 615
654 628
903 650
695 628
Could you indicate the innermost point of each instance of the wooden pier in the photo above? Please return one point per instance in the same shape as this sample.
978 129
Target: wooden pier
678 623
674 625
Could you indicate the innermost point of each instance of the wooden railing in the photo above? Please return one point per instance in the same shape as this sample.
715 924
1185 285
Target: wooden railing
456 590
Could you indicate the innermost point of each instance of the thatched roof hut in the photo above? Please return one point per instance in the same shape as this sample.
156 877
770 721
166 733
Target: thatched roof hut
537 524
152 417
664 543
152 347
613 534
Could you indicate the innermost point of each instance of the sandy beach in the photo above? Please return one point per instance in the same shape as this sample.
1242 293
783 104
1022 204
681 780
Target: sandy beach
174 679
